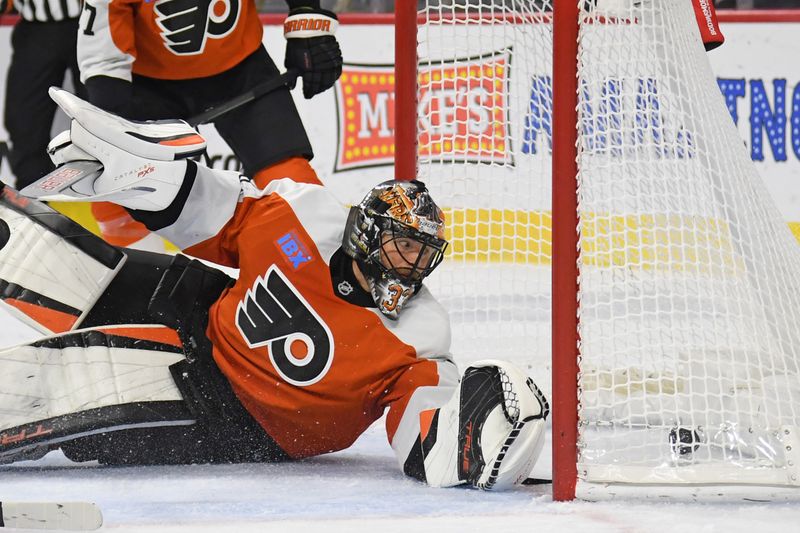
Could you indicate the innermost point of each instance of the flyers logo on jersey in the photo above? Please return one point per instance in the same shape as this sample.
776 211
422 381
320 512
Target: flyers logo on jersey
293 250
186 25
273 313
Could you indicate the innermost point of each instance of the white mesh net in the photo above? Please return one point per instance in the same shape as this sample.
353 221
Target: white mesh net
690 280
485 150
689 300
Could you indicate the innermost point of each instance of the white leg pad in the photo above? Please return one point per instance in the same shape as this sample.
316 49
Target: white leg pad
51 270
39 382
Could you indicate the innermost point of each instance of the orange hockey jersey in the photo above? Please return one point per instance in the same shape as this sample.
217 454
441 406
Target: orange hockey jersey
165 39
306 351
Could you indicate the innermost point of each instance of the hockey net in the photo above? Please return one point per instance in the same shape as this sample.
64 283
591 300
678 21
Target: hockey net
689 300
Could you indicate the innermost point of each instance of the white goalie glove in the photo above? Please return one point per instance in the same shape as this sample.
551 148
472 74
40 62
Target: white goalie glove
490 433
103 157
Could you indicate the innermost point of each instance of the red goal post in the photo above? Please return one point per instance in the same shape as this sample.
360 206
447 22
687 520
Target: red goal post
565 355
653 245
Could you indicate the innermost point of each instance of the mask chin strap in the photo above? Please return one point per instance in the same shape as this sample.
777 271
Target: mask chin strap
390 295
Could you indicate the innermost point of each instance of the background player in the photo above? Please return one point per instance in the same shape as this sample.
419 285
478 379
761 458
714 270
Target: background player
177 58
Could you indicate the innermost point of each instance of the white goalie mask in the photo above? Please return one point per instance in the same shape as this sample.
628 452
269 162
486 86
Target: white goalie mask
396 236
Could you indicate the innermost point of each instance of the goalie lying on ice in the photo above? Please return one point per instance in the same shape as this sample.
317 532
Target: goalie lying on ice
151 358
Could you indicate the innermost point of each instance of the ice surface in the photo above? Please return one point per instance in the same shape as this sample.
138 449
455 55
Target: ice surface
359 489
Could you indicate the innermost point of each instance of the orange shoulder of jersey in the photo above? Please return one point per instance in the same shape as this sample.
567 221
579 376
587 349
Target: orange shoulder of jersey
173 42
314 370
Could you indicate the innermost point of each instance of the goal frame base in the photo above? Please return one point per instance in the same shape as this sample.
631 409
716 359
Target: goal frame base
687 493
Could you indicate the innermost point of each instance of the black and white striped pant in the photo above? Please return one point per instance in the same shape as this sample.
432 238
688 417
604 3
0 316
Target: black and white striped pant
43 52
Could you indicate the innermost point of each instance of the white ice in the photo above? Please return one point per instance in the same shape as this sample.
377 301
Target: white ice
359 489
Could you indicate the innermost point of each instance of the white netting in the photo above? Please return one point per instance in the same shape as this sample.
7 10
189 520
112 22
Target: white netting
690 279
485 149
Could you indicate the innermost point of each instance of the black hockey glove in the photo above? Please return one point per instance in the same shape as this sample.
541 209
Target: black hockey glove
312 49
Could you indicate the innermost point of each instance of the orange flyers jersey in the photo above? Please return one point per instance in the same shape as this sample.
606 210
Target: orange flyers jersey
311 365
165 39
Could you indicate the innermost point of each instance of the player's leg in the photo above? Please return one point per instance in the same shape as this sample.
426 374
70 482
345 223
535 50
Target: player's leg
71 60
140 387
86 382
36 64
57 276
127 298
122 395
120 229
267 135
297 168
221 431
52 271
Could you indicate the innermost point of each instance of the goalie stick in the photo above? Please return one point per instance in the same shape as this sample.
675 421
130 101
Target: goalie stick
62 178
74 516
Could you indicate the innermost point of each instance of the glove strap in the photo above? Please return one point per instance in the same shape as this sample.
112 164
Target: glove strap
306 25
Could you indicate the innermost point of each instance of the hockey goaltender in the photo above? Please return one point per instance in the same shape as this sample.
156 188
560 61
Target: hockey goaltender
159 359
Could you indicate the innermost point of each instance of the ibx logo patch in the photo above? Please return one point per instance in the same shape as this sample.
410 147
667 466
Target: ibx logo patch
294 251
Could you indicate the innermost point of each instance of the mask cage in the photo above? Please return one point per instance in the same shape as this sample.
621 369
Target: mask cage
412 272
